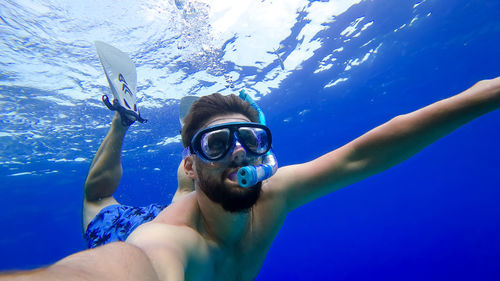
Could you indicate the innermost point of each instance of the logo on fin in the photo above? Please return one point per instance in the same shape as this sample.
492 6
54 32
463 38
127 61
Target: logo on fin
125 87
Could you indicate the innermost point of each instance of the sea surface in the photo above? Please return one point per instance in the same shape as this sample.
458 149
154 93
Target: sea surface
324 72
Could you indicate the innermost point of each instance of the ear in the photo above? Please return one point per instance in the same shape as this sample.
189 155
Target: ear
189 167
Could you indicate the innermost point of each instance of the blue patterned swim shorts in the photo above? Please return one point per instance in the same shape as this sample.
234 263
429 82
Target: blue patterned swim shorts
116 222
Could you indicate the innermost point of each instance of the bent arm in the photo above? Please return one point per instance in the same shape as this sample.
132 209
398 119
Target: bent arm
105 173
106 170
114 261
386 145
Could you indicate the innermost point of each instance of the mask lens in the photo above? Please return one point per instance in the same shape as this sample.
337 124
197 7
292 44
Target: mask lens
215 143
255 139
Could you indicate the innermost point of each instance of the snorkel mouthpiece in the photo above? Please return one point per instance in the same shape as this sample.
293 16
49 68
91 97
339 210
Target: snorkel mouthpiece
246 176
251 175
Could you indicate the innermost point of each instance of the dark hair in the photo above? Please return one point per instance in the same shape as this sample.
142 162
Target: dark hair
212 105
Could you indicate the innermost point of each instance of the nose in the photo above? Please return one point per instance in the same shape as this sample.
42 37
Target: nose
239 154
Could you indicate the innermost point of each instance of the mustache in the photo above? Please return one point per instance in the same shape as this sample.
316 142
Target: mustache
234 167
238 165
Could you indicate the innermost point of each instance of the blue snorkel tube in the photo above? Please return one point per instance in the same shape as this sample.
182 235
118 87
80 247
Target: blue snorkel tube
251 175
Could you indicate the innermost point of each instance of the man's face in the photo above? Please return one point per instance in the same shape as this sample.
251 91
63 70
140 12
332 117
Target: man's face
218 179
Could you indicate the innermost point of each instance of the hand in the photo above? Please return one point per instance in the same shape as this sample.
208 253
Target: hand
118 122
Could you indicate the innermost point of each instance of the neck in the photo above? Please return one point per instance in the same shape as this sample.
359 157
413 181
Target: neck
226 228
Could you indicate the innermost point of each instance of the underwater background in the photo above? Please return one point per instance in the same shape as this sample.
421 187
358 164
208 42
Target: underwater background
324 72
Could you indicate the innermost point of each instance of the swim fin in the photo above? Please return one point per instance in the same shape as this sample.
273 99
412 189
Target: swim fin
122 78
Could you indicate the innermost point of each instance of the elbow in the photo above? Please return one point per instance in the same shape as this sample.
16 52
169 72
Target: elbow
91 193
400 127
399 122
96 188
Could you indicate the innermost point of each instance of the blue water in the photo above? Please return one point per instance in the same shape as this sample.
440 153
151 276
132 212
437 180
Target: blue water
434 217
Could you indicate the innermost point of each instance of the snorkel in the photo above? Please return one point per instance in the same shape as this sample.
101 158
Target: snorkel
251 175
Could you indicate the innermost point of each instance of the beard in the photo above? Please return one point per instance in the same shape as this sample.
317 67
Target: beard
232 199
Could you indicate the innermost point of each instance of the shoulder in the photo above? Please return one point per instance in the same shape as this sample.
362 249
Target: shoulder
184 211
172 249
290 184
158 232
176 223
276 187
173 236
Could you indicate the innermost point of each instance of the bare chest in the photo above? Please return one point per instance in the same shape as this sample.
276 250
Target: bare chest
237 264
241 262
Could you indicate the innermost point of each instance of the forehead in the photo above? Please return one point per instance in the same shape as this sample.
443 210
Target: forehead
228 118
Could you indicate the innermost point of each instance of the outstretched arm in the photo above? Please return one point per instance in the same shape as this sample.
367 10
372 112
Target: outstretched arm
385 146
105 172
115 261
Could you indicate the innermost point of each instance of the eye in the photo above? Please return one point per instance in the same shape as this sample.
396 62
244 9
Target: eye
254 138
215 143
217 140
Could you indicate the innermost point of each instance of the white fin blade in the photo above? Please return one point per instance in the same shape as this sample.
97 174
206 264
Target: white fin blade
121 74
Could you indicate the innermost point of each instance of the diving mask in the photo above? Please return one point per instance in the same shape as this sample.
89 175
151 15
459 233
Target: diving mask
213 143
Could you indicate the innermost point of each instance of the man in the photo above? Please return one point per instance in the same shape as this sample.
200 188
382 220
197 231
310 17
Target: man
206 236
